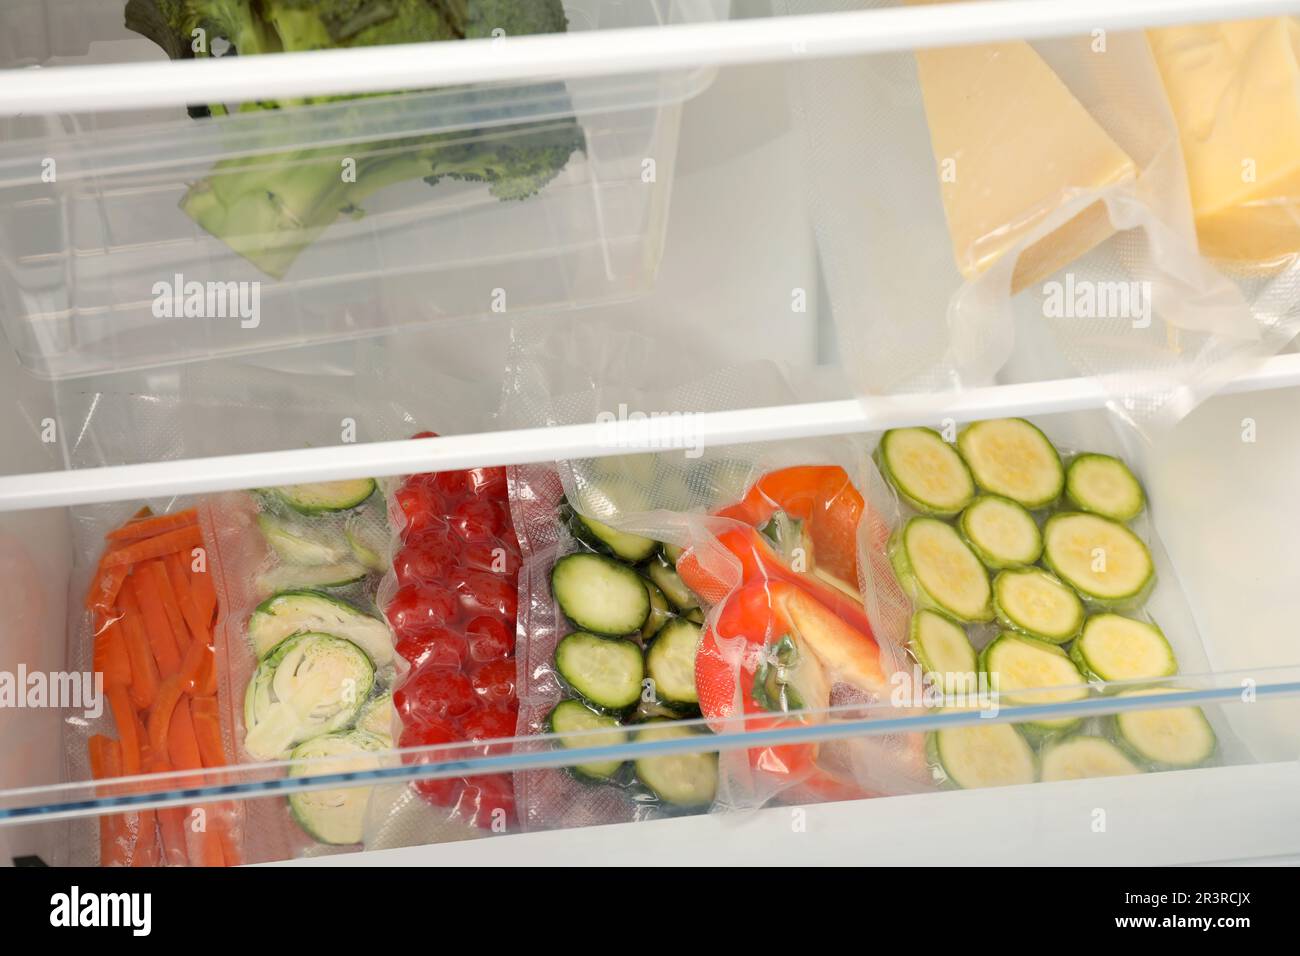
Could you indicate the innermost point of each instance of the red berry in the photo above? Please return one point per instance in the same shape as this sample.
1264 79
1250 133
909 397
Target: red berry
484 592
490 723
434 694
425 559
487 481
443 792
477 520
418 509
418 607
487 801
499 557
436 647
489 639
450 483
495 682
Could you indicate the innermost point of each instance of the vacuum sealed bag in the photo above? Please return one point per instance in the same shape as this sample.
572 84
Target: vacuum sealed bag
730 591
1033 197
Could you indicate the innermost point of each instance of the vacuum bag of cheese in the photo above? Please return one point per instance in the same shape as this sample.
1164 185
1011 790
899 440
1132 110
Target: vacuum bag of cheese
1074 204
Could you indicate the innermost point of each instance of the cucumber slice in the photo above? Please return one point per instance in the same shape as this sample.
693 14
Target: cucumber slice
1027 671
312 684
322 496
368 546
670 582
672 552
1001 532
605 671
600 595
570 717
1012 458
941 647
695 615
926 471
1036 603
1176 737
298 612
377 717
297 545
982 754
603 538
685 779
660 611
670 663
1104 486
292 577
1101 559
1081 757
336 817
940 570
1113 647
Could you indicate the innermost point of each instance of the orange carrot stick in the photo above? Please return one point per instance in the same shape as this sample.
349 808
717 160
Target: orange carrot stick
182 744
179 540
160 714
106 764
198 659
134 753
147 851
207 680
162 582
161 638
144 669
128 727
180 580
110 655
105 585
151 526
207 728
207 731
205 595
171 823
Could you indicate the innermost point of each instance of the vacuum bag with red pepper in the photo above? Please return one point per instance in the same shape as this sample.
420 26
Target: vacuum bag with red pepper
751 591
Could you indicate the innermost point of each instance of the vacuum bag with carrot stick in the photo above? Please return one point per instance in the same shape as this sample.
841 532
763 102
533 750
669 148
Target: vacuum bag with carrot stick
143 621
729 580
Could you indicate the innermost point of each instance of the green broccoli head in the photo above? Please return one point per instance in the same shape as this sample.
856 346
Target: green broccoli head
175 24
515 161
270 208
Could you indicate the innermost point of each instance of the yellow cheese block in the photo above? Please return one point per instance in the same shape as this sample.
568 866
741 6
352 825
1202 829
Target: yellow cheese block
1012 145
1235 92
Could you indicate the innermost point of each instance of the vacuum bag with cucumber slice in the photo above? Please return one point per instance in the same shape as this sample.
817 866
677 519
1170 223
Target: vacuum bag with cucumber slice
679 589
1023 569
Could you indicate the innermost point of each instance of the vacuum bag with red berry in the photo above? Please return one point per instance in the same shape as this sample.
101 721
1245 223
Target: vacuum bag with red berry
451 601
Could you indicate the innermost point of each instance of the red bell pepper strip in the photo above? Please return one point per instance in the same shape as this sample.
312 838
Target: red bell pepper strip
758 562
772 652
824 499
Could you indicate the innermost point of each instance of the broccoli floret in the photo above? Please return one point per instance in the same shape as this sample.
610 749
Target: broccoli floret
269 208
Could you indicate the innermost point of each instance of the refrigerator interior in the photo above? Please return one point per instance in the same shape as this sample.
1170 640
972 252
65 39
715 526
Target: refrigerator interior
739 251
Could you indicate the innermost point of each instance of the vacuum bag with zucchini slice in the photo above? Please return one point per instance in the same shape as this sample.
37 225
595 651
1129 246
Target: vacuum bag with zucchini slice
718 585
1119 205
1022 568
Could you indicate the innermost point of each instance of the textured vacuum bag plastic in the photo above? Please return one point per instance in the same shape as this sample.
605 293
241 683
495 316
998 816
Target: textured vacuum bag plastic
701 500
974 201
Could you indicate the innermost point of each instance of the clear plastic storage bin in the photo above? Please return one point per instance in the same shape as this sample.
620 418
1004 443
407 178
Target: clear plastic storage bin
97 255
